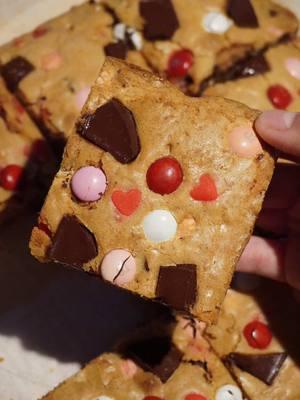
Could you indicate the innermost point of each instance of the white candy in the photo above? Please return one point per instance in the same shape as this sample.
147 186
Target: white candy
229 392
136 39
216 22
104 398
119 31
159 226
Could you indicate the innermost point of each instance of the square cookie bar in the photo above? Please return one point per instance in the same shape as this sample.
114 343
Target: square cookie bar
161 362
257 336
270 80
52 68
193 42
155 194
26 163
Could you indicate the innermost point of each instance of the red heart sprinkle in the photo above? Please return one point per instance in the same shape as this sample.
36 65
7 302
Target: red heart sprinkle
126 202
180 63
205 190
10 177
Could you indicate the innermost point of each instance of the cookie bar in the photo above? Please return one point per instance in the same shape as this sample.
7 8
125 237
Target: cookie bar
193 42
266 81
158 363
154 194
52 68
258 337
25 160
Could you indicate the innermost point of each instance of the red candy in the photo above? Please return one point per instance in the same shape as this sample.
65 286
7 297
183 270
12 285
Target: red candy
40 151
126 202
180 62
205 190
10 176
39 31
164 176
279 96
195 396
258 335
152 398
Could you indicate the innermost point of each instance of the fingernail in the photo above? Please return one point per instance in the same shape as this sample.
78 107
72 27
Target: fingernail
278 120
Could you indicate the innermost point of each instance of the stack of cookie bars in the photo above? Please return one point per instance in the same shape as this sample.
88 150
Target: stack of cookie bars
155 194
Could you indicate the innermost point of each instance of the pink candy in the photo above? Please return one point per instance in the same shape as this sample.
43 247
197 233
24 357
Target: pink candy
51 61
118 267
81 97
244 142
293 67
89 183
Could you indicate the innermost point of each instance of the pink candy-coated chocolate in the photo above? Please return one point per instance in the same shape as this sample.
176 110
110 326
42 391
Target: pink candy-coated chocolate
89 183
51 61
81 97
293 67
244 142
118 267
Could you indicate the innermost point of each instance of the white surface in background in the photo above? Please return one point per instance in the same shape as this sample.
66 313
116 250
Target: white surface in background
51 320
21 16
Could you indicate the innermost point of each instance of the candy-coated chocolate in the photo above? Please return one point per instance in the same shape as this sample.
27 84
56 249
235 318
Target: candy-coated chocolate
89 183
229 392
10 176
51 61
104 398
195 396
159 226
180 62
293 67
164 176
279 96
244 142
119 267
126 202
81 97
205 190
216 22
258 335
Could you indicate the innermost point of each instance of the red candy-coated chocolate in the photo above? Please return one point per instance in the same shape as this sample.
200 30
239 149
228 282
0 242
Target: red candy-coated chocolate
205 190
10 176
152 398
258 335
279 96
195 396
180 62
40 151
164 176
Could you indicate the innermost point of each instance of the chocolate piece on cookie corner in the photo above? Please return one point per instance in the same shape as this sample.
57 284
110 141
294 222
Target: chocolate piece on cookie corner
151 178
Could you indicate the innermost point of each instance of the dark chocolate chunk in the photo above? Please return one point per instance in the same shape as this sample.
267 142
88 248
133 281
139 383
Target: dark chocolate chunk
15 70
242 13
256 65
263 366
2 113
160 19
156 354
177 286
112 127
117 50
73 243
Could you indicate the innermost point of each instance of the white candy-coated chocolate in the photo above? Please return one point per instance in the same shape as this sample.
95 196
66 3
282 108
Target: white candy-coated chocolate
159 226
216 22
118 267
229 392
